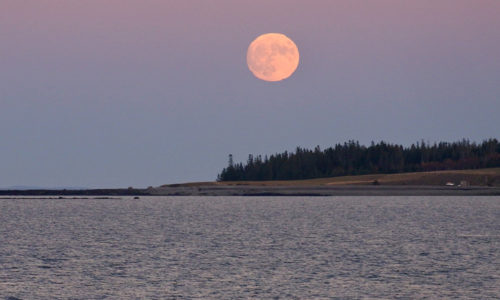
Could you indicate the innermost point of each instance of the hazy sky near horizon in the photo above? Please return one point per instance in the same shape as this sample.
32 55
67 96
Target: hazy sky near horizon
121 93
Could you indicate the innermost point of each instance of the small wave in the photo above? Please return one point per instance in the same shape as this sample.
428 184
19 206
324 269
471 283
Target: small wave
483 236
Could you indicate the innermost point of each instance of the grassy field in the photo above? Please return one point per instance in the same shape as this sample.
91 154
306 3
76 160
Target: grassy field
479 177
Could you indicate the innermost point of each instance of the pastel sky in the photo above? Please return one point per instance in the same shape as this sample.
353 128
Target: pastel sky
117 93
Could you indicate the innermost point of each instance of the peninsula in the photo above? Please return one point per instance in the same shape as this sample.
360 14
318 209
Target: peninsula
438 183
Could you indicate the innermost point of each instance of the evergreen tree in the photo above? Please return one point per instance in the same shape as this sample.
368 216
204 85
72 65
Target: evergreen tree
351 158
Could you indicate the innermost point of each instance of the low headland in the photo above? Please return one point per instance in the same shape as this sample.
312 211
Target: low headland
456 182
438 183
457 168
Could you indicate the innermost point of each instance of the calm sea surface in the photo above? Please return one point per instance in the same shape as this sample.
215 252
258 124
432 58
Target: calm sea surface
262 247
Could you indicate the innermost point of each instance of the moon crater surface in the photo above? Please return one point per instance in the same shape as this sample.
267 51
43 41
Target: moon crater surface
272 57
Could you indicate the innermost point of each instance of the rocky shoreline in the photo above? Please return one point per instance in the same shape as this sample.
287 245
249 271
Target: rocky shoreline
338 190
253 190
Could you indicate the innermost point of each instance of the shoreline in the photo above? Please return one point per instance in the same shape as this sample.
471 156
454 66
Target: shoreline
253 191
474 182
337 190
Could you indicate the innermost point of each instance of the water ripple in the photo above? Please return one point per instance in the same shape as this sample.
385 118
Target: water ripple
263 247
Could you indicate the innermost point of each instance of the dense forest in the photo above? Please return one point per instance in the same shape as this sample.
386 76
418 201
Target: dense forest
351 158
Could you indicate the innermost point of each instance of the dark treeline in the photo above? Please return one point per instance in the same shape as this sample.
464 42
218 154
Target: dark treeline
351 158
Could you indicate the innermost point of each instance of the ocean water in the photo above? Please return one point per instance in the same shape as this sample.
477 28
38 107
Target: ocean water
255 247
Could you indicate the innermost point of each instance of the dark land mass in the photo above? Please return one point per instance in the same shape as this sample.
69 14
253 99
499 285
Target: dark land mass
85 192
267 190
248 190
337 190
439 183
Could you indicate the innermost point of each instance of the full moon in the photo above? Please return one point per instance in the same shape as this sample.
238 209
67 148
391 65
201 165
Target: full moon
272 57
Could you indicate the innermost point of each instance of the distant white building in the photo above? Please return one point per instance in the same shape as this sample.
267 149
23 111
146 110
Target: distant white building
464 183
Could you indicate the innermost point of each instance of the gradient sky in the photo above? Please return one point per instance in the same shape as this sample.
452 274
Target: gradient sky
117 93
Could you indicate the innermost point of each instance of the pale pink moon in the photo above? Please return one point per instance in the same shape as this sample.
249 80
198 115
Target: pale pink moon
272 57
